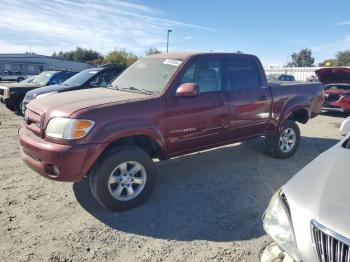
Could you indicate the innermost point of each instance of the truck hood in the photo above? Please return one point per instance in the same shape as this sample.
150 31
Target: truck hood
23 85
333 75
47 89
65 104
321 189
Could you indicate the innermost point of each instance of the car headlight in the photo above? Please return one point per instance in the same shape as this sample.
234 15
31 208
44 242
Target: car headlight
277 223
67 128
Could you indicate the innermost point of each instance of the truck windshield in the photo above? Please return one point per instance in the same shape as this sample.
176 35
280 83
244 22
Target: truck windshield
81 77
148 74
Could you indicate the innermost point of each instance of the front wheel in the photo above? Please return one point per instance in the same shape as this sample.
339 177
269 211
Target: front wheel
12 108
286 142
123 179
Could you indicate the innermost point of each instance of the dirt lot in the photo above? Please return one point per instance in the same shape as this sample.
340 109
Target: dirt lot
206 206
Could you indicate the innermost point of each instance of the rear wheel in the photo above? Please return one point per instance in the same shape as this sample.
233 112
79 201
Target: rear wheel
123 179
286 142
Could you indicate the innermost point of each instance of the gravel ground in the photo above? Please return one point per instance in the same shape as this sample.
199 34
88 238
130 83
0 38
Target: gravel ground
206 206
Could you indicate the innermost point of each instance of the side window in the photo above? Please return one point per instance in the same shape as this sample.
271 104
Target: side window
206 73
65 76
108 76
241 74
56 79
190 75
103 78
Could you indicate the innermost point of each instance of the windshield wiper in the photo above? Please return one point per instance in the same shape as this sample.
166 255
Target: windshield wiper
112 87
140 90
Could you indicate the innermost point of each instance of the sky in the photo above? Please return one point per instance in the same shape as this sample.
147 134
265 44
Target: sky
270 29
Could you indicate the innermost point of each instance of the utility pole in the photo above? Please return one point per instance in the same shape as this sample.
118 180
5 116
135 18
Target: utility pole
167 42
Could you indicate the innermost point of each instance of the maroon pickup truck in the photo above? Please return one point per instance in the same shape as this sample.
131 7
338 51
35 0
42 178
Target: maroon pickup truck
162 106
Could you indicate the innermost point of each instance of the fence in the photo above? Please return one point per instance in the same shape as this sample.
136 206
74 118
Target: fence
300 73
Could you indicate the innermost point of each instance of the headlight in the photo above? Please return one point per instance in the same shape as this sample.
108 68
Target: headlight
66 128
277 223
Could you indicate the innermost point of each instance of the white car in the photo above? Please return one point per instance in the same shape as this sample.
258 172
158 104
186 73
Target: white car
309 217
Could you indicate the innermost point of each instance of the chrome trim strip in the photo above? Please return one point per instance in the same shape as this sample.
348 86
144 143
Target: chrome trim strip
318 232
331 232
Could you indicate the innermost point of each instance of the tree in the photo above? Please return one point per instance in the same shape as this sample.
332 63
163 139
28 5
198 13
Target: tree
79 55
152 51
302 59
343 58
328 62
121 57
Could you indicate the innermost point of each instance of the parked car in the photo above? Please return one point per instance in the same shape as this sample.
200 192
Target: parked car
12 76
337 88
282 77
162 106
308 218
89 78
12 94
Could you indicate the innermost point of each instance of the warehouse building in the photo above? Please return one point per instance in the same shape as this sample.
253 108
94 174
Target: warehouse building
33 64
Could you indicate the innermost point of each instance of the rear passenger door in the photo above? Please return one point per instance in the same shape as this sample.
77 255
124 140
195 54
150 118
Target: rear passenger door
249 97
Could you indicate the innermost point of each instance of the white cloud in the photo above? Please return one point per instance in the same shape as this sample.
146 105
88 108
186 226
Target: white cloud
62 25
188 37
337 45
343 23
329 50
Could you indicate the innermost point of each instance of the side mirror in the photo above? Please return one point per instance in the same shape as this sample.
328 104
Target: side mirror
188 90
345 127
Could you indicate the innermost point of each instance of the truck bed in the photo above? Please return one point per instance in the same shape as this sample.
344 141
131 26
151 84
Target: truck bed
309 93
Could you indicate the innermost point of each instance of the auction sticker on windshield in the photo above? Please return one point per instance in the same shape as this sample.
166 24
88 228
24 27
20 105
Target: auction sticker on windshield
172 62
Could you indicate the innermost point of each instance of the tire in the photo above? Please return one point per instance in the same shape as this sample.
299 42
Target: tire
285 143
105 178
18 109
12 108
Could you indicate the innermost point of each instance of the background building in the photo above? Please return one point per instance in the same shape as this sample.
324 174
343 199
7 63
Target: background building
32 64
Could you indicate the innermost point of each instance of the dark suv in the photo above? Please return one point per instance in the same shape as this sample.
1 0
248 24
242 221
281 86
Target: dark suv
89 78
12 94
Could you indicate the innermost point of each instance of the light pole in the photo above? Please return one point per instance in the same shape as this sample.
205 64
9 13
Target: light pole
167 42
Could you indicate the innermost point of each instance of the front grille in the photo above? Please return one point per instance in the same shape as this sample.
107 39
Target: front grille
32 156
33 122
329 245
332 98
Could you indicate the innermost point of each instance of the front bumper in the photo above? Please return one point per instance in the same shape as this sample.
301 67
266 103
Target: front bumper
73 161
8 101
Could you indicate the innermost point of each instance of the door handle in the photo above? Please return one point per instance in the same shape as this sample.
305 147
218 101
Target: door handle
262 98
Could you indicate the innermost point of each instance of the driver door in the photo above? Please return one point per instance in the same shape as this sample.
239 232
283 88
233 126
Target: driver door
197 122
